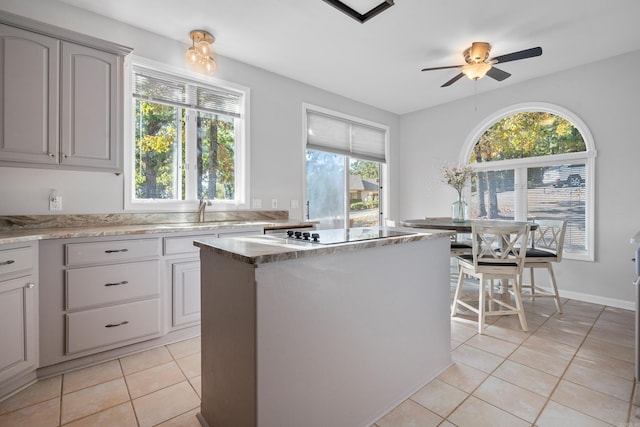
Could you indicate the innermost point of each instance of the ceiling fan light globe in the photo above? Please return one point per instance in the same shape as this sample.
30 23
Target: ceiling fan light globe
476 71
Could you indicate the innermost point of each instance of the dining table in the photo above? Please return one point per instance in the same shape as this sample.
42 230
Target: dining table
463 227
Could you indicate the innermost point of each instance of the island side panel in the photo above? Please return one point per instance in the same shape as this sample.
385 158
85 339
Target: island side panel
228 341
344 338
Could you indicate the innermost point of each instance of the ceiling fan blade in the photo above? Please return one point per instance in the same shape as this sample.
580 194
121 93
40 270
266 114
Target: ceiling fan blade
514 56
441 68
498 74
453 80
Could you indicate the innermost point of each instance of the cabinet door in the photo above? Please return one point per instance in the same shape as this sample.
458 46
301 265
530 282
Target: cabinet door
29 105
90 100
18 336
186 293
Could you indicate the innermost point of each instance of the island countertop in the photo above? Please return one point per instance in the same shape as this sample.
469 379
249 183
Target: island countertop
269 248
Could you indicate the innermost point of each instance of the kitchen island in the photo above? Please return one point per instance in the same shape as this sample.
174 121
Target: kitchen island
297 333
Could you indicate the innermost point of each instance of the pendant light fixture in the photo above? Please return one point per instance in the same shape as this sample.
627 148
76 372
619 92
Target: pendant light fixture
200 54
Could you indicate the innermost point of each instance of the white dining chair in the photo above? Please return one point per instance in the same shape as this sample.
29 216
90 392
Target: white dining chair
545 249
498 253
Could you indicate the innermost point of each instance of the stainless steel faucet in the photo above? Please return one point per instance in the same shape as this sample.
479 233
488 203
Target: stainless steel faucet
202 206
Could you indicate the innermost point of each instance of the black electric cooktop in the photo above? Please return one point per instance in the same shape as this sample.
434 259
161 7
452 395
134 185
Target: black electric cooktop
342 235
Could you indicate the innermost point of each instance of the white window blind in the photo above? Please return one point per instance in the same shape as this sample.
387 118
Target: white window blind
342 136
155 87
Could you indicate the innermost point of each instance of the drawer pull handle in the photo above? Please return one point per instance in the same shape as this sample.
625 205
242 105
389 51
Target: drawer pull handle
124 282
8 262
111 251
113 325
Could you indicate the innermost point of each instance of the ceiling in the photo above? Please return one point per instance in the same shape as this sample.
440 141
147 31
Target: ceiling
379 62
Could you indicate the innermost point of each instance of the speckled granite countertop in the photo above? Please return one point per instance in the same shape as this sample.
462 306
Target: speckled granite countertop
15 229
268 248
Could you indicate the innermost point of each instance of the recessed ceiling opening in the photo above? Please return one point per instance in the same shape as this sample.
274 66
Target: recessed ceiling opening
361 10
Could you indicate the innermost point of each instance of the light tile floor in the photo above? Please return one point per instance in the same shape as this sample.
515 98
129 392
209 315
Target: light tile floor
571 369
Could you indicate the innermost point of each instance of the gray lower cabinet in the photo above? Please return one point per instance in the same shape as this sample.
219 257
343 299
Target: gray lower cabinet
61 101
185 288
18 311
98 294
183 270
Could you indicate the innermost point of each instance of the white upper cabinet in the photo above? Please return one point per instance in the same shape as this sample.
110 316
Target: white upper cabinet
61 103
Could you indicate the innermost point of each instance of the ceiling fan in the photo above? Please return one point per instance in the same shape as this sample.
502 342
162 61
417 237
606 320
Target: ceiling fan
478 63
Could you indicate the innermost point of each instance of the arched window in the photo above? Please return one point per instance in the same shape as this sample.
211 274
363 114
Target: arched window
532 161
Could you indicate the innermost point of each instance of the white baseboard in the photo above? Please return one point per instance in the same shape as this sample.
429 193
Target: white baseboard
595 299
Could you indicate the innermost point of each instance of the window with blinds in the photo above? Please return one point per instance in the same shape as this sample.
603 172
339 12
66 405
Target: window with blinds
345 169
342 136
159 88
188 141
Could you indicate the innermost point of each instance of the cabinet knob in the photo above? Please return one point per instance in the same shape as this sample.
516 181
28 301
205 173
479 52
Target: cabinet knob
64 155
30 285
51 155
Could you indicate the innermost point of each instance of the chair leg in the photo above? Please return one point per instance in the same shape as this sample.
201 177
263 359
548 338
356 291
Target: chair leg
533 284
456 295
481 303
490 292
555 288
517 283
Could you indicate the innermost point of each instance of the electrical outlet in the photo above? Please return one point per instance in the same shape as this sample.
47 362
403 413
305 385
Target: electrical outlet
274 203
55 202
256 203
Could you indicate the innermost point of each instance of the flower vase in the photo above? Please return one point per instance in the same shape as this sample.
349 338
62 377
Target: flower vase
459 210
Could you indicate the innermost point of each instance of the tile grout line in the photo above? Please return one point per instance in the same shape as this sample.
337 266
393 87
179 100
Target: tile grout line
567 368
490 374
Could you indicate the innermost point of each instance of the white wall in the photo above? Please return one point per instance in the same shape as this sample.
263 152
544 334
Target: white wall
275 124
605 96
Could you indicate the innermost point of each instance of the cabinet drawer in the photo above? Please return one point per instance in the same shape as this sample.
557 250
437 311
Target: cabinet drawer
107 284
15 260
184 245
106 252
101 327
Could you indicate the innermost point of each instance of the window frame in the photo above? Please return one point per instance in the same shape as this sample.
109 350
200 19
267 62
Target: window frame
242 143
588 157
383 194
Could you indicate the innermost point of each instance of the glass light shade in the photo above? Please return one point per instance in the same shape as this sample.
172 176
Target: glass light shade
204 48
209 65
476 70
192 55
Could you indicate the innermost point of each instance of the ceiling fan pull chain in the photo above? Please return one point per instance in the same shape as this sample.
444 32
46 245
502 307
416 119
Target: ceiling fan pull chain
476 95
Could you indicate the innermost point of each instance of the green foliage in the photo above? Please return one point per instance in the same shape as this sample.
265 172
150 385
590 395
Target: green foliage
356 206
365 169
159 146
528 134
